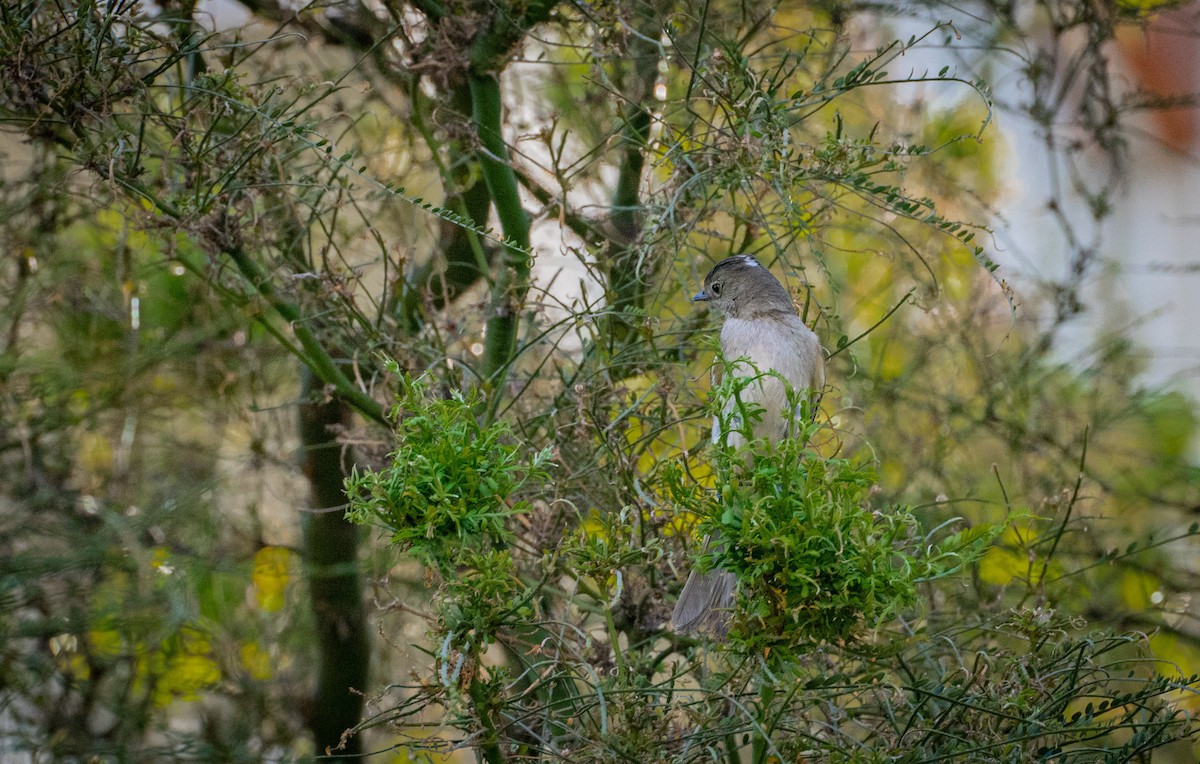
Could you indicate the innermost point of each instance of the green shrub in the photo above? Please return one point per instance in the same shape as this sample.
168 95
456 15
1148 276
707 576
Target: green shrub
451 482
814 561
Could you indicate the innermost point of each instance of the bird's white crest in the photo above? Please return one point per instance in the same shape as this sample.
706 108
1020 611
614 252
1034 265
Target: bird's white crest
749 260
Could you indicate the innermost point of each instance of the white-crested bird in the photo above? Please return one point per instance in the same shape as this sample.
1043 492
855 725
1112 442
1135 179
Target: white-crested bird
765 338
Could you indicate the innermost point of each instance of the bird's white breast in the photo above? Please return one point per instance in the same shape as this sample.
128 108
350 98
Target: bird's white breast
782 344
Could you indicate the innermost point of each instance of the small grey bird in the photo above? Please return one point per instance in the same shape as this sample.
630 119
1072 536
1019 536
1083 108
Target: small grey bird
761 326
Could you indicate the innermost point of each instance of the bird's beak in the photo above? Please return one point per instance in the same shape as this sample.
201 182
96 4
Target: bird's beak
702 296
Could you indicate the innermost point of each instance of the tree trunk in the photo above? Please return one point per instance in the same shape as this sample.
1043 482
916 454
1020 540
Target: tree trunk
335 586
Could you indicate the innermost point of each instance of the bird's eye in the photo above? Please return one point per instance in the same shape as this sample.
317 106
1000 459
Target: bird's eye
716 289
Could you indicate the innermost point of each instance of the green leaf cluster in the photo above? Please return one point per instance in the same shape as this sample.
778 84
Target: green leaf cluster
487 596
451 482
814 561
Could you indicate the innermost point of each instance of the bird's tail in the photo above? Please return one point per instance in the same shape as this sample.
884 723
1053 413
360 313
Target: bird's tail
705 602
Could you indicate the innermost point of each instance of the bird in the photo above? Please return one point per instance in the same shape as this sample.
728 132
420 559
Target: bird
763 328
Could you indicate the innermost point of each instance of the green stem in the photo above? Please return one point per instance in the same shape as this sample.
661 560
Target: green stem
614 639
512 281
508 26
582 227
626 279
466 261
489 747
766 694
731 749
315 355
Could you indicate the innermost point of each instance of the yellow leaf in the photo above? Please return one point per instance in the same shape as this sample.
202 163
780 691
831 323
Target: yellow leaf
95 455
256 661
1001 565
185 676
1143 8
193 641
65 649
271 577
592 527
683 523
106 643
1137 588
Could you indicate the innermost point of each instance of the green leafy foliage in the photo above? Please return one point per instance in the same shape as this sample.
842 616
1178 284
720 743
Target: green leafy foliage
484 595
814 561
450 484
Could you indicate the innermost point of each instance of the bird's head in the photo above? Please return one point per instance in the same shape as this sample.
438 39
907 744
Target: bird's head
742 288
